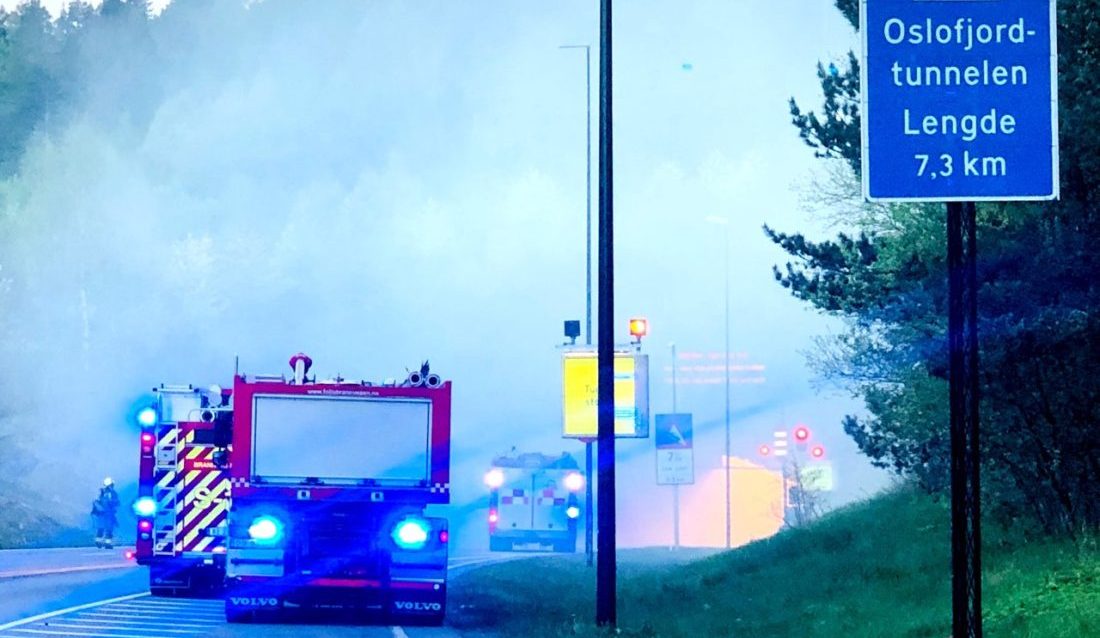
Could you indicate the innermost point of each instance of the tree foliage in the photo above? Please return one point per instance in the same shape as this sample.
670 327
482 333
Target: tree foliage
1038 330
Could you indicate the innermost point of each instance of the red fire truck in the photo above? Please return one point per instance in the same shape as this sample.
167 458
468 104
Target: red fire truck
533 503
330 482
183 490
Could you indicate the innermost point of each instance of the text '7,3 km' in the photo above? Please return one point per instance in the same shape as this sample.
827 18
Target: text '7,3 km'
959 100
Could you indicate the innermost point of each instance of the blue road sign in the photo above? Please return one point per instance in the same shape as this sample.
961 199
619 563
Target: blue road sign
959 100
673 431
675 455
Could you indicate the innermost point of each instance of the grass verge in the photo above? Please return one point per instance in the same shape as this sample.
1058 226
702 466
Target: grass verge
877 569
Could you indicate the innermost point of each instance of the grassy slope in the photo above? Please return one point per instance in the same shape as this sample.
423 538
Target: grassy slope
24 525
876 569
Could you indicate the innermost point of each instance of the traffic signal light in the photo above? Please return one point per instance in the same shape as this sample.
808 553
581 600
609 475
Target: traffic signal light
765 450
639 327
801 434
817 452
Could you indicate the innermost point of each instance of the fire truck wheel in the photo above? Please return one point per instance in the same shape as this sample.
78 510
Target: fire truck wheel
565 547
433 620
235 614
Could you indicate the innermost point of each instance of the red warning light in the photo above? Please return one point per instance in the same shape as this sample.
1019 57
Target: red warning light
129 554
817 452
444 536
764 450
493 517
146 437
802 434
145 525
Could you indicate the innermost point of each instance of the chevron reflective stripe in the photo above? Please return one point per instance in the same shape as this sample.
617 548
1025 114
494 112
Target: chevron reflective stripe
193 540
165 490
204 544
203 495
200 495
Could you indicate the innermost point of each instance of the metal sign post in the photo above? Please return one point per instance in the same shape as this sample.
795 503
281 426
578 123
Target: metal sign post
675 459
605 542
959 104
962 331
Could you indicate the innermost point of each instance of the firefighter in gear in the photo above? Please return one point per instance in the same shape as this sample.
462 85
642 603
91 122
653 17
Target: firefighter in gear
105 513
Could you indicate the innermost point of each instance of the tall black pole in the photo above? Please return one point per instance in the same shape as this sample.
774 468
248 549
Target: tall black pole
966 539
605 557
588 550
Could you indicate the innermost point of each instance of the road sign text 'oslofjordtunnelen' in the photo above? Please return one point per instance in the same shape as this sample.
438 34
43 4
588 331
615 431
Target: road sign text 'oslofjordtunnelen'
959 100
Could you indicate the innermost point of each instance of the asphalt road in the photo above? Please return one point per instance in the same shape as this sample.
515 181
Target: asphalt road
54 593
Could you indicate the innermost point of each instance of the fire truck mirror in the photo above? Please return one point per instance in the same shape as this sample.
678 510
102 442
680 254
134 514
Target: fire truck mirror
223 428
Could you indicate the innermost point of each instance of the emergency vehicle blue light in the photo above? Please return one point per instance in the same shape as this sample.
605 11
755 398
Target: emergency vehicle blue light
494 478
147 417
145 506
411 533
572 511
265 529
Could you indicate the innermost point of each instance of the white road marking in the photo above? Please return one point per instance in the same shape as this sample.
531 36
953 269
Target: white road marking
183 613
190 604
110 628
123 623
399 632
41 632
163 611
69 610
126 617
21 573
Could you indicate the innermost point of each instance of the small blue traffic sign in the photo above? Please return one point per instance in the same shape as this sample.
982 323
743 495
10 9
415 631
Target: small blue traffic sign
959 100
675 453
673 431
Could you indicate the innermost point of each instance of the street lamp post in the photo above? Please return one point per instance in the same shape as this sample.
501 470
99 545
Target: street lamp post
722 221
587 281
676 487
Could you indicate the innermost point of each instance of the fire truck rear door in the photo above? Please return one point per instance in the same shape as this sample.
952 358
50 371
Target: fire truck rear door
549 501
204 492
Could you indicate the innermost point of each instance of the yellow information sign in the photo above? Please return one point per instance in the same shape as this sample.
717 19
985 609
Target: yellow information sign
579 395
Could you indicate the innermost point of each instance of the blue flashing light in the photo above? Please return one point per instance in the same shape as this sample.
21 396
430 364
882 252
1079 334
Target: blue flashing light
411 533
145 507
147 417
266 529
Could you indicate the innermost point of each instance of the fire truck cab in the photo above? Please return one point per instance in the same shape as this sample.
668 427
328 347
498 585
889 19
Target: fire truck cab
183 490
533 503
331 481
